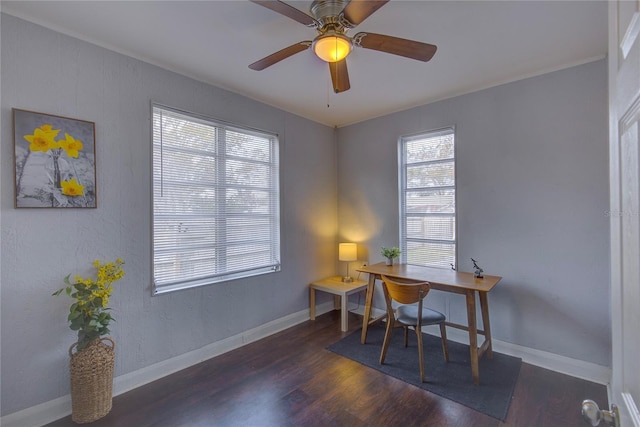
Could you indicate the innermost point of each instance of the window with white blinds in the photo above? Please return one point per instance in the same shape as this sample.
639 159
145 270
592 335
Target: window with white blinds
428 199
216 202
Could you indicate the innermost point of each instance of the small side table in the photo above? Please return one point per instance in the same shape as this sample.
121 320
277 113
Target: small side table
335 285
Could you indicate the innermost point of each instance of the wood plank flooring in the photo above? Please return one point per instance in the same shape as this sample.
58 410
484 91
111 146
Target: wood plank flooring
289 379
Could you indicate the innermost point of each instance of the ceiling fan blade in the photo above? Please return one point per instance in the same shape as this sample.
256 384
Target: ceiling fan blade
280 55
288 11
359 10
396 46
339 76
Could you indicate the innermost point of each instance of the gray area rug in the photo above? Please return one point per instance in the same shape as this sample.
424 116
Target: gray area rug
451 380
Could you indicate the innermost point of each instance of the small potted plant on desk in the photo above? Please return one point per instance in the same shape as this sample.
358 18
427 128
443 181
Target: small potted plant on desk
390 254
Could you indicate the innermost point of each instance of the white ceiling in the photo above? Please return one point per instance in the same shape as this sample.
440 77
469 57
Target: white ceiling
480 44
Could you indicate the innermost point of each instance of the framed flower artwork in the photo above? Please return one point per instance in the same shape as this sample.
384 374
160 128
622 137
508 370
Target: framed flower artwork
55 165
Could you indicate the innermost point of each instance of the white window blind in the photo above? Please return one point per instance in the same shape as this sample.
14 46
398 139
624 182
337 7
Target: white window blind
216 202
428 199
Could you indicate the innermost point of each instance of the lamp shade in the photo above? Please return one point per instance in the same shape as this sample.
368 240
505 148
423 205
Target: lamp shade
332 47
347 252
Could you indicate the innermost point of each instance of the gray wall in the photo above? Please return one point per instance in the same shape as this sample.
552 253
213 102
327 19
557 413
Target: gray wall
48 72
532 201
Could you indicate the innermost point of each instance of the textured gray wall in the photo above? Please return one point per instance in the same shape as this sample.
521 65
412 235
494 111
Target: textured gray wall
48 72
532 179
532 200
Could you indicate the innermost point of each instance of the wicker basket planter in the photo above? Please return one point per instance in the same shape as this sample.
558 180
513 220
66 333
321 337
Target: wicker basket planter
92 380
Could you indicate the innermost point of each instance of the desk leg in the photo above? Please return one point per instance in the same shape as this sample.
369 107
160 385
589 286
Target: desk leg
367 307
484 306
312 304
344 313
473 336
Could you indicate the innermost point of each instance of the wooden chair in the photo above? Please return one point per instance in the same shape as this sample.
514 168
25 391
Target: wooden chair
410 315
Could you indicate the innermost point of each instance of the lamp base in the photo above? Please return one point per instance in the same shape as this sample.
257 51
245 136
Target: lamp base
347 279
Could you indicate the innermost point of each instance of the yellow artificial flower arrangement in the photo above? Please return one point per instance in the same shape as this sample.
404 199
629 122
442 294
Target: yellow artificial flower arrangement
89 314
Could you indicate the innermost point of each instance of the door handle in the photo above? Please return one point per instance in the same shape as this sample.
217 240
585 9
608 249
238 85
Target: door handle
593 415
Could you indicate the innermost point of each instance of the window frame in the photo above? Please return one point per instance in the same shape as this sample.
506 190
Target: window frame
402 195
274 200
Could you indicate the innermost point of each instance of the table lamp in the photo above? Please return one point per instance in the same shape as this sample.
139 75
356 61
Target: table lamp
347 252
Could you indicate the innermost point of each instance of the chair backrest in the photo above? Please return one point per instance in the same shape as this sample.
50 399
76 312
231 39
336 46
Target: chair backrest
405 293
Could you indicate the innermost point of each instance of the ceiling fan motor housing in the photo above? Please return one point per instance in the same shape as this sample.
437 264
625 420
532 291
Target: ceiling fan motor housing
332 19
327 12
331 44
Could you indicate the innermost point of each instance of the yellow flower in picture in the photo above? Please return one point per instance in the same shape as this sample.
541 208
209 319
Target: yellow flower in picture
72 188
70 145
43 138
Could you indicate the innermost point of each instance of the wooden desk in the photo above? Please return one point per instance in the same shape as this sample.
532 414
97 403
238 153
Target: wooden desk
448 281
341 290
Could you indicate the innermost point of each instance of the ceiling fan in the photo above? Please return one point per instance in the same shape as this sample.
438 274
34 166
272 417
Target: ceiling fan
332 19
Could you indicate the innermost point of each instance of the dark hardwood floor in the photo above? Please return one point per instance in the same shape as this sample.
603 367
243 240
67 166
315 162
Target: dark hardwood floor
289 379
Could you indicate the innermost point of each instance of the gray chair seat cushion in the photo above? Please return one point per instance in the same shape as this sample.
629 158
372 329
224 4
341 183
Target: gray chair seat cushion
408 315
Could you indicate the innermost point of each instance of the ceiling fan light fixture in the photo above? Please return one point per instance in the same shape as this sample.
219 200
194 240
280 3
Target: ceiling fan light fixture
332 47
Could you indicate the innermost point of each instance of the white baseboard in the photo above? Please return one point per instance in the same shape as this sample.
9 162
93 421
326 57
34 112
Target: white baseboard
52 410
39 415
55 409
554 362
